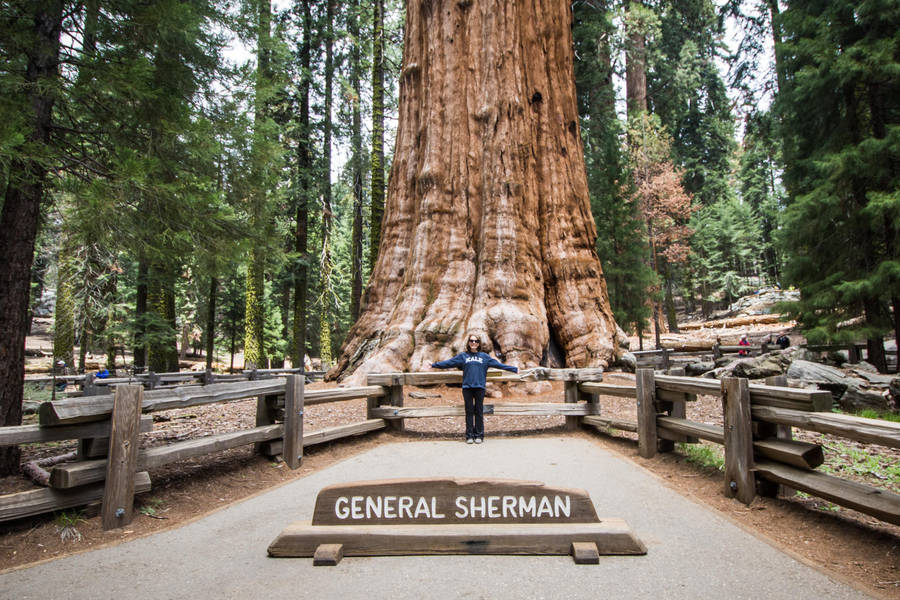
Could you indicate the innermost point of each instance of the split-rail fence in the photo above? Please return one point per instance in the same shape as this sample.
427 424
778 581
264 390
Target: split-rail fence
760 454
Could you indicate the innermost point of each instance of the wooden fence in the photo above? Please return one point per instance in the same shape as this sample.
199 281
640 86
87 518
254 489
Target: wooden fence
111 468
665 358
759 452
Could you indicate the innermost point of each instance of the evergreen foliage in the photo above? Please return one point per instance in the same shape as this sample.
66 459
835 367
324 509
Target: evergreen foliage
840 110
621 244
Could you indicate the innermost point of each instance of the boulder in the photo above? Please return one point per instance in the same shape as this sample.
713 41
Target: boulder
850 391
699 368
758 368
628 362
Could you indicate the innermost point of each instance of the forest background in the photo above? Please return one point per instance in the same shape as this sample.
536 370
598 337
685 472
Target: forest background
166 193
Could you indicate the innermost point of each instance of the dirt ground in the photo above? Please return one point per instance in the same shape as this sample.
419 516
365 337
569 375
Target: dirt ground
846 544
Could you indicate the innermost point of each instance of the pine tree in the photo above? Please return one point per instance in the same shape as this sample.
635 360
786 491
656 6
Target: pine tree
840 106
621 241
377 159
32 54
325 263
356 160
254 331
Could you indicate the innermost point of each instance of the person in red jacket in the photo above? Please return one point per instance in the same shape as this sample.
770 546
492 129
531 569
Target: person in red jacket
474 365
744 342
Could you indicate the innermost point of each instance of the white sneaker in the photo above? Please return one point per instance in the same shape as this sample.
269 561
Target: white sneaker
478 440
470 441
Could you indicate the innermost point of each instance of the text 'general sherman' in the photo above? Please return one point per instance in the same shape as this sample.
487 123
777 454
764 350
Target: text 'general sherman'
450 500
428 508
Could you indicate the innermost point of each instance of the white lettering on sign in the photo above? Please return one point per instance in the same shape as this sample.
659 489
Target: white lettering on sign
389 507
494 507
360 508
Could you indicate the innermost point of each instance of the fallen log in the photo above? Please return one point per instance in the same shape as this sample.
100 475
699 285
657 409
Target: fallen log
734 322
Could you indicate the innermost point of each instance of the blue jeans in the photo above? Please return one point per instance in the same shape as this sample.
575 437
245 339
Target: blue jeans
473 398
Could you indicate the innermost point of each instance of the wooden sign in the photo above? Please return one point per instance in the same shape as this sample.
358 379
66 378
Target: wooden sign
453 516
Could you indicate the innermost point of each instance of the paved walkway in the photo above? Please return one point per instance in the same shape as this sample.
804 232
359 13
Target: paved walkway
692 551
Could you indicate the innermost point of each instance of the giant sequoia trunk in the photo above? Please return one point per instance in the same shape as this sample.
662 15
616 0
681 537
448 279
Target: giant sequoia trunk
488 226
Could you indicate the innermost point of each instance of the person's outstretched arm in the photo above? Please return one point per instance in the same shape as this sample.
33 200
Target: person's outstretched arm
451 363
493 362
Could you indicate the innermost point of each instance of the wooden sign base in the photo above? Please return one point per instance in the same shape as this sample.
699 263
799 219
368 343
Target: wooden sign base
342 525
608 537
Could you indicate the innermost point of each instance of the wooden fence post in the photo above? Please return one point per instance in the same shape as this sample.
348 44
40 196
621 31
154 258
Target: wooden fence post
571 396
293 421
645 383
665 359
674 409
153 380
782 432
93 447
740 481
265 415
716 352
118 494
853 353
396 398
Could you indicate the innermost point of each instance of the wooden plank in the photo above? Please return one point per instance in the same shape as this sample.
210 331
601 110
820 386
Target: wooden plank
328 555
311 397
646 412
779 431
328 434
873 431
445 377
792 452
676 428
788 397
585 553
92 448
604 423
609 389
763 395
504 408
35 502
739 480
612 537
88 471
95 408
266 414
395 394
293 421
118 494
30 434
879 503
571 397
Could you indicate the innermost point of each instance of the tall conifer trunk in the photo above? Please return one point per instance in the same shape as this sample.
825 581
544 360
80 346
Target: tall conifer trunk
376 196
304 164
325 265
254 344
21 213
356 141
488 225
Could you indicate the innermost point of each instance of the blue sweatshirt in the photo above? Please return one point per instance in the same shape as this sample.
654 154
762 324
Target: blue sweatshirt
474 366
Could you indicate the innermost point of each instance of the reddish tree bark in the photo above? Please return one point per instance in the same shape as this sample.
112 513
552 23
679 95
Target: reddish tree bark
488 225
